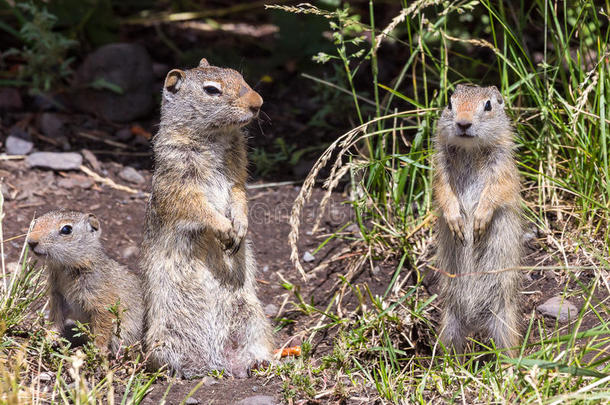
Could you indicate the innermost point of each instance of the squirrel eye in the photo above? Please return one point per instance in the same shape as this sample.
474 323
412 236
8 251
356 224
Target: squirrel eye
212 90
449 105
65 230
488 106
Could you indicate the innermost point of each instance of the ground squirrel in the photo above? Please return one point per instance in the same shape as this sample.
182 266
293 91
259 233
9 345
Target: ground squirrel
202 312
84 283
476 186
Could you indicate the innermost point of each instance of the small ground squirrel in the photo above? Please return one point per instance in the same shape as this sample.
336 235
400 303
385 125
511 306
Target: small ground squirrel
202 312
84 282
476 186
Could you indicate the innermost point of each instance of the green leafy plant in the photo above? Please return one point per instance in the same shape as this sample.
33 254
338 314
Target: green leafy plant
44 51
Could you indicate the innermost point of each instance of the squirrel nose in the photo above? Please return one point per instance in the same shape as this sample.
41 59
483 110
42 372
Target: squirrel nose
464 125
32 243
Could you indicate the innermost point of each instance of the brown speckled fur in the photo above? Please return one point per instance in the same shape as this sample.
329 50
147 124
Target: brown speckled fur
202 310
84 282
476 187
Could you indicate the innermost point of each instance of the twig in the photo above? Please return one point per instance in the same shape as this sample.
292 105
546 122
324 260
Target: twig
269 185
94 137
12 157
109 182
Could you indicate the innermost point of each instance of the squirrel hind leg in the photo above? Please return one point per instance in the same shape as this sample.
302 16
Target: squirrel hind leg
504 330
453 332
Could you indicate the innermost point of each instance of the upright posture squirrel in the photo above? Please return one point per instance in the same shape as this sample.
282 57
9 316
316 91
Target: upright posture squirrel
84 283
202 312
476 185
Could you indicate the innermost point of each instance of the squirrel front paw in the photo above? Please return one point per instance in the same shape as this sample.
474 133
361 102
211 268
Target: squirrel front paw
240 229
229 236
482 219
455 222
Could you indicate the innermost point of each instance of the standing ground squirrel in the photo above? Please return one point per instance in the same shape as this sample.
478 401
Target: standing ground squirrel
476 185
84 283
202 312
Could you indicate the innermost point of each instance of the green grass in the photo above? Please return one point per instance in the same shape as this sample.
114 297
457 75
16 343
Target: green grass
556 87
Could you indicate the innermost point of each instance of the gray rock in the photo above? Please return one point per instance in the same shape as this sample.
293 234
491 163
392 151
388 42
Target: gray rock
51 124
76 181
271 310
308 257
258 400
254 388
131 175
130 251
10 99
55 160
92 160
45 376
123 134
207 381
561 309
18 142
122 65
192 401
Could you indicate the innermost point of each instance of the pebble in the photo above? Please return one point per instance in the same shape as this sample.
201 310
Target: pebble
55 160
18 142
207 381
258 400
561 309
254 388
265 268
192 401
92 160
77 180
131 175
123 134
51 124
45 376
10 99
271 310
308 257
130 251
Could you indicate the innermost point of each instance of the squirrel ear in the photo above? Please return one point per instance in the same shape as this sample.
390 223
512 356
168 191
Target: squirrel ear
497 93
93 222
203 62
174 79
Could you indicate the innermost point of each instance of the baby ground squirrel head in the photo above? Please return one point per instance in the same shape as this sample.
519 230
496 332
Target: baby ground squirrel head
66 237
207 98
474 118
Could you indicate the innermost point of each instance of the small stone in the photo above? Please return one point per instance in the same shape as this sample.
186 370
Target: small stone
255 388
265 268
130 251
55 160
51 124
6 192
192 401
353 228
561 309
123 134
271 310
207 381
92 160
45 376
18 142
131 175
308 257
258 400
10 99
75 181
